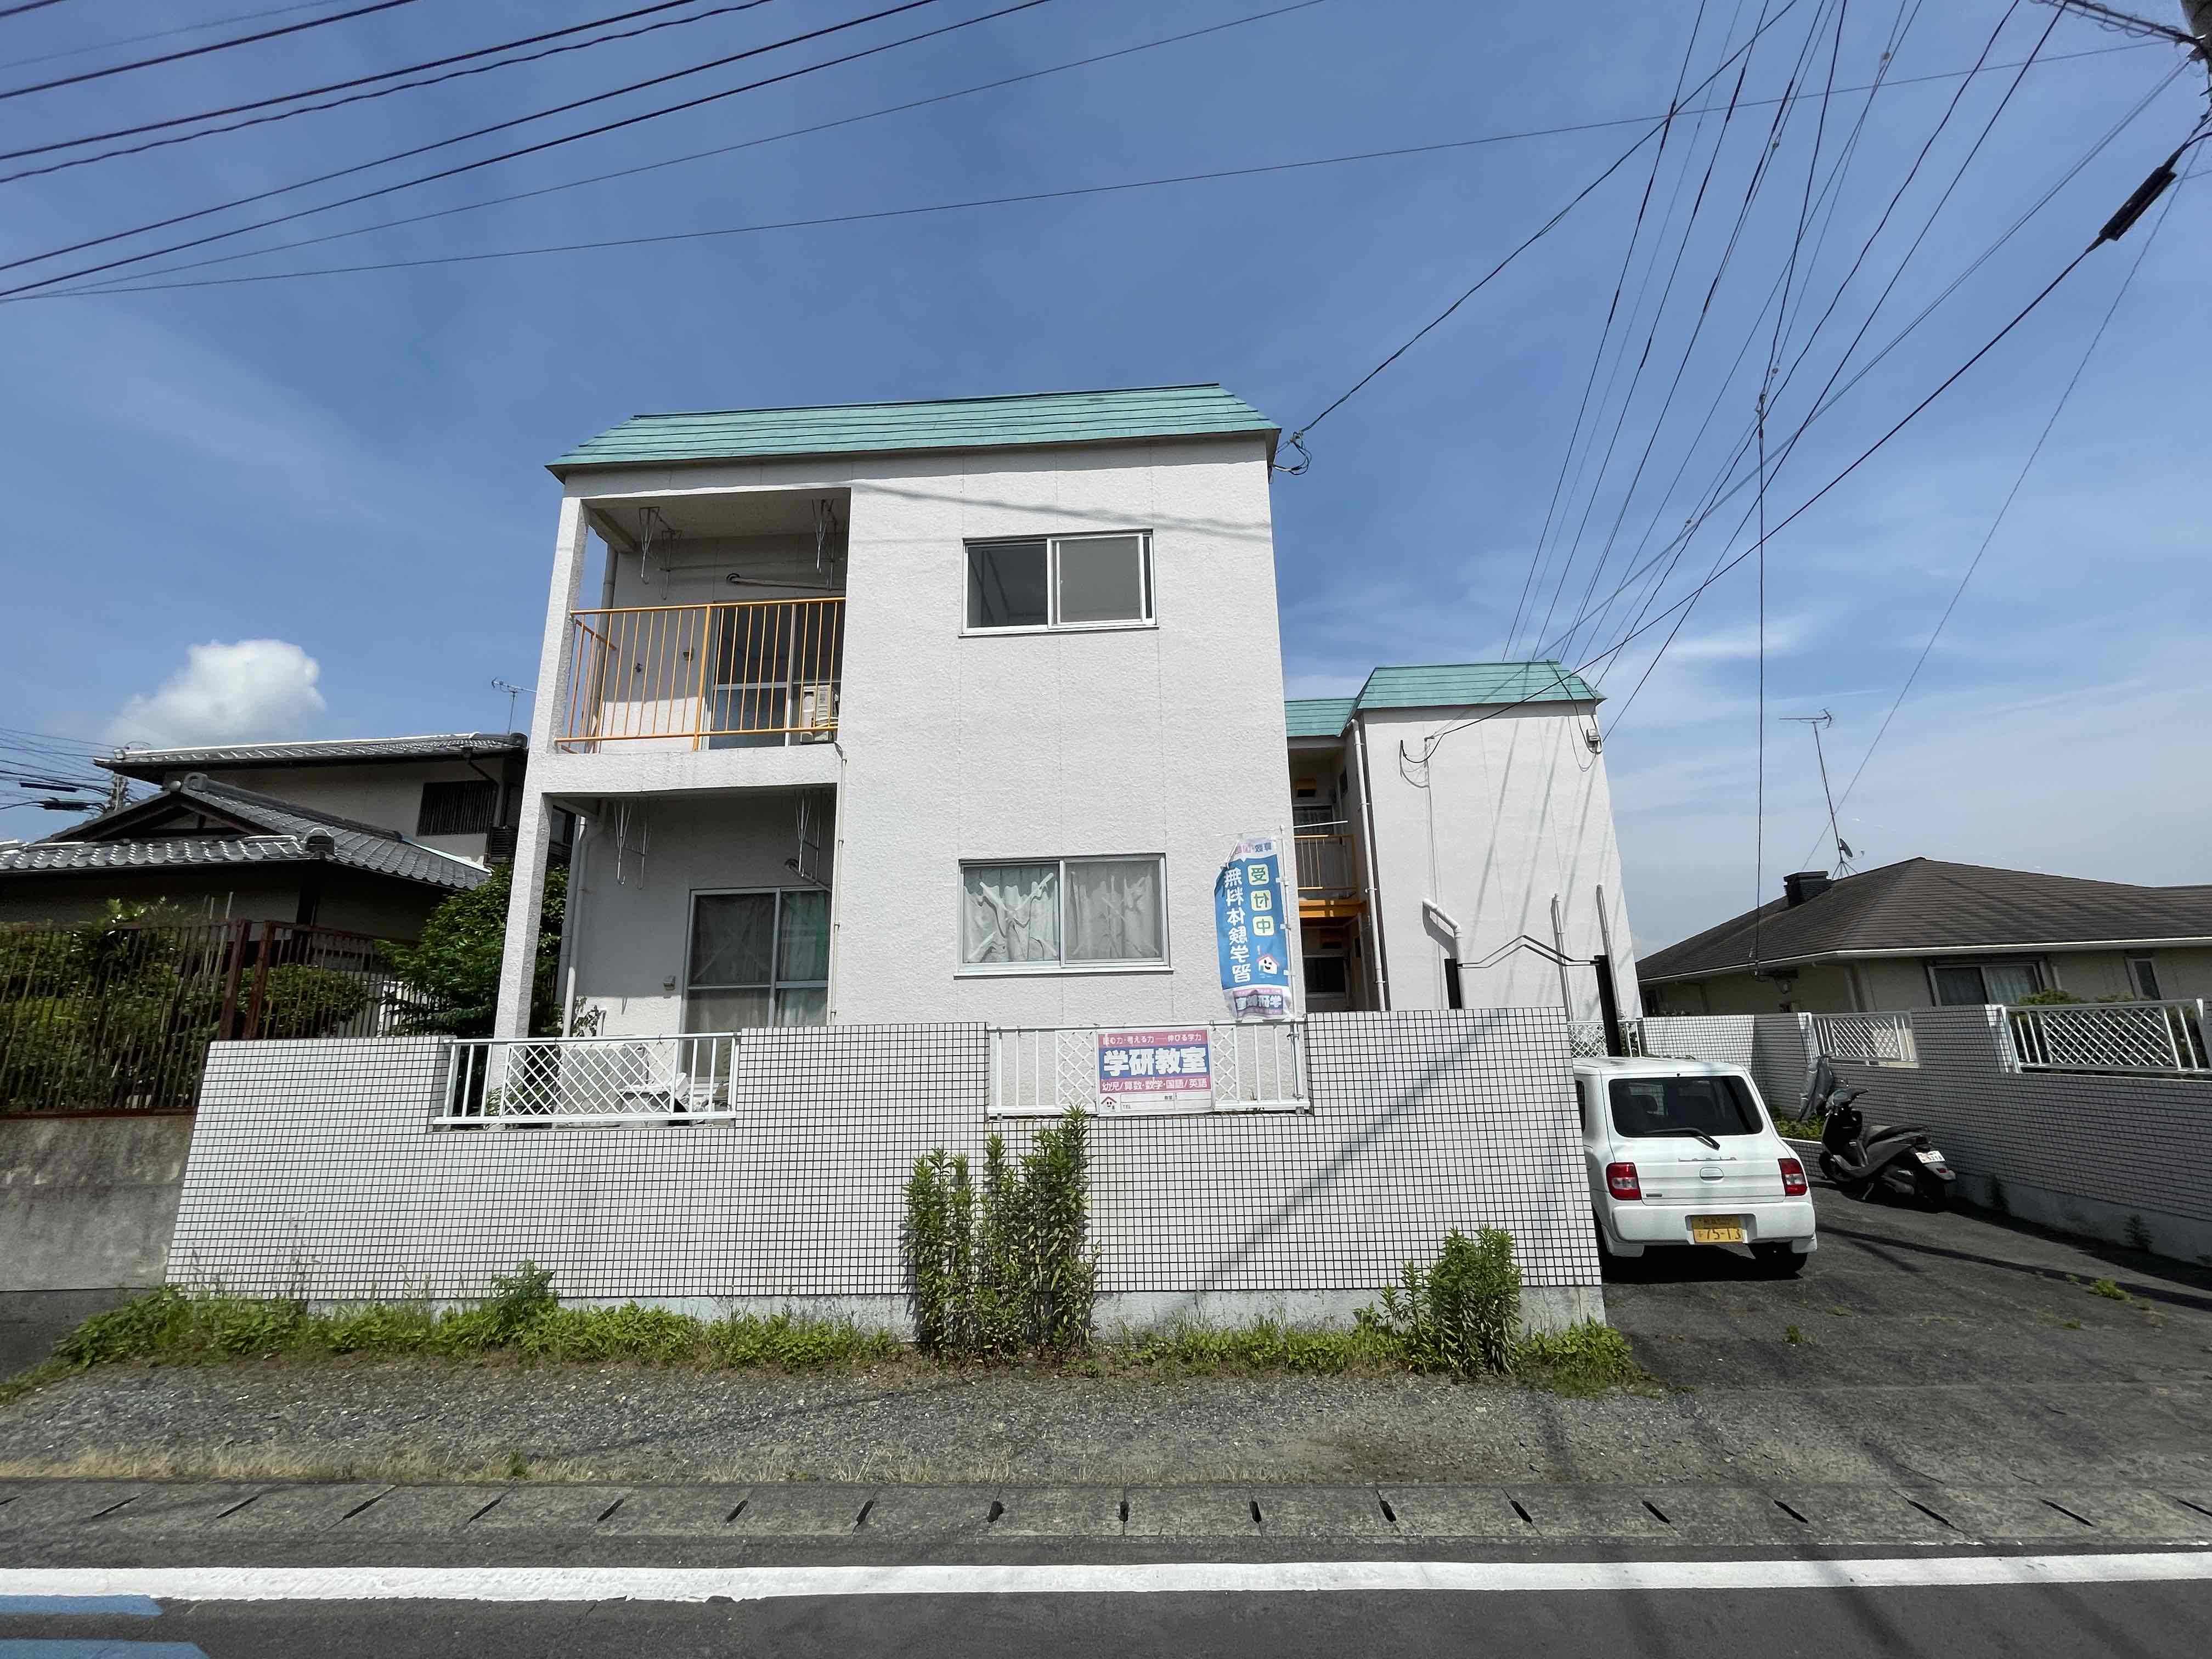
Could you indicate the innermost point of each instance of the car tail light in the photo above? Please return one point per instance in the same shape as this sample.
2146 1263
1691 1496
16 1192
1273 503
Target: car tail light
1621 1181
1793 1178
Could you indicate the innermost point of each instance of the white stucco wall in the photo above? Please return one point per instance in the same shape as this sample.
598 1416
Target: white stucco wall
1517 810
1166 739
631 888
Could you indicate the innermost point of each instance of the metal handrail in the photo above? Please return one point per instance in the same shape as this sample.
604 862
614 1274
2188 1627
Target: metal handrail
703 676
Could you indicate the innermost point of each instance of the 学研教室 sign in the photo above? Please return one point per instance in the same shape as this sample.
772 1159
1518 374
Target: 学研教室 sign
1140 1071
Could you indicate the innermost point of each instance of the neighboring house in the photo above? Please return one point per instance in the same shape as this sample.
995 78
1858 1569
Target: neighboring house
1924 934
456 792
952 711
1444 813
214 851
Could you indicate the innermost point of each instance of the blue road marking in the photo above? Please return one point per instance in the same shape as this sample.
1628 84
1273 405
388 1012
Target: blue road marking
135 1605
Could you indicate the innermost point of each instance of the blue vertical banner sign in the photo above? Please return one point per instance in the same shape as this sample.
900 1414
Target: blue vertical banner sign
1252 924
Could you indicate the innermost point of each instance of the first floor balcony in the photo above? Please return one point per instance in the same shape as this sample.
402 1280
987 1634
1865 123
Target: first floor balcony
756 674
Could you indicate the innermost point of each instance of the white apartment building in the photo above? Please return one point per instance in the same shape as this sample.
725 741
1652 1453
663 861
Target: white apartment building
930 712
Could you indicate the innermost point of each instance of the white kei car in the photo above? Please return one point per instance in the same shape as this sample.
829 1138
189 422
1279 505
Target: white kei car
1682 1151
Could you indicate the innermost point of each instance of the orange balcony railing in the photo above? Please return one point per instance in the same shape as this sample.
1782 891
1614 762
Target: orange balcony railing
703 676
1326 865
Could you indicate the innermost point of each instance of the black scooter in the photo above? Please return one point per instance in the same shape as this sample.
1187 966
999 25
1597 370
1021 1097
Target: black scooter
1899 1157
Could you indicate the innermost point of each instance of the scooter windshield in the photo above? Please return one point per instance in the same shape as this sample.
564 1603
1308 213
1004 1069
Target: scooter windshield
1643 1106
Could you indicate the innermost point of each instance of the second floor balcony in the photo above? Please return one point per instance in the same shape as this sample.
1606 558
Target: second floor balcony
1328 871
748 675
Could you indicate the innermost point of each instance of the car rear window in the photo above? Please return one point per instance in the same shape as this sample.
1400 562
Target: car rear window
1673 1105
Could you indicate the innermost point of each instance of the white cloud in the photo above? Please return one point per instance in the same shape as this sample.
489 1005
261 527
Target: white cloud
253 691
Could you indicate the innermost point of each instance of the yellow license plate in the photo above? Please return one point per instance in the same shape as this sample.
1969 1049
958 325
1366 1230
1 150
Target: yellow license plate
1716 1230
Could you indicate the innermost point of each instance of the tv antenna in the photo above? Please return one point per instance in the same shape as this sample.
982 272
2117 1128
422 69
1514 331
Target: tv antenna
1818 722
512 691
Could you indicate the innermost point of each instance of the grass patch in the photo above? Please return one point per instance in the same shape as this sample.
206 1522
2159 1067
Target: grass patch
1188 1348
1458 1316
1798 1128
1587 1359
175 1326
2109 1290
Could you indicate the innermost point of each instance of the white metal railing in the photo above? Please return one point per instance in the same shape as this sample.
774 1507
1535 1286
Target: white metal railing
1042 1071
1587 1038
2108 1036
529 1081
1870 1039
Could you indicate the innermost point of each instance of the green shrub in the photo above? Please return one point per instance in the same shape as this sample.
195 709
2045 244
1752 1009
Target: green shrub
453 967
1009 1270
520 1298
1585 1359
1460 1314
300 1001
1266 1345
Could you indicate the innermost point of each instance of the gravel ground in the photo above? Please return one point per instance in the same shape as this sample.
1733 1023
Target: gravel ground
1916 1348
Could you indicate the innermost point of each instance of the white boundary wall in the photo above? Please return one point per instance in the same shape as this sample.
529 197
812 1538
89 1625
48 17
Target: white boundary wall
315 1171
2110 1156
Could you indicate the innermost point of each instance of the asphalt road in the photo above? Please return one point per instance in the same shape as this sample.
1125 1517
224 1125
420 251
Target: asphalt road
2150 1620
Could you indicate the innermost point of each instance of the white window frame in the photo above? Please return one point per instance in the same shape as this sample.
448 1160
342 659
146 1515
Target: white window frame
1052 624
774 939
2148 963
962 968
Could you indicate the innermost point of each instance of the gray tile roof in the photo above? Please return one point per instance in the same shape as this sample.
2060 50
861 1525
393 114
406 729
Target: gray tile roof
1926 904
1439 685
153 764
274 831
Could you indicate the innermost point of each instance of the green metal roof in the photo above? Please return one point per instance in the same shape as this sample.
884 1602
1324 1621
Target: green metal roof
1439 685
1046 417
1318 717
1453 685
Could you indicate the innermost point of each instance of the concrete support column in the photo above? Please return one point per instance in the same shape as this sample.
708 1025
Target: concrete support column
534 831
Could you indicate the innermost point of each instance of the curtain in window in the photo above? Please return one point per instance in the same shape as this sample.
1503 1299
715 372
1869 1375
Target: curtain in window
1114 910
731 935
2008 981
802 945
1010 913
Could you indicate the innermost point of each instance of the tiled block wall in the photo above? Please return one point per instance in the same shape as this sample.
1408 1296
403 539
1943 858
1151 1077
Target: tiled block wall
1777 1050
315 1171
2141 1144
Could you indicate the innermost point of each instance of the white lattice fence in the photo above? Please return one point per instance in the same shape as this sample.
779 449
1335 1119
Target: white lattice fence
1874 1039
2105 1036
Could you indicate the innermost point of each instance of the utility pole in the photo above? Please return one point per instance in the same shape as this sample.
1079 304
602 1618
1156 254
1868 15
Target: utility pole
2197 14
1818 722
118 788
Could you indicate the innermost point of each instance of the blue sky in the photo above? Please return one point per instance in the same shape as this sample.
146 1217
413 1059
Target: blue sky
351 465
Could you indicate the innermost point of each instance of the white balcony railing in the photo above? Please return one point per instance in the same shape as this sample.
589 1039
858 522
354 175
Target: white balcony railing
1042 1071
2109 1037
1870 1039
702 675
520 1081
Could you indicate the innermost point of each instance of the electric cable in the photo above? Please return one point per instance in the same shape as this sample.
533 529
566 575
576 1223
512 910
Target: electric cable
936 98
1434 322
2005 508
361 80
163 34
497 126
199 52
1627 260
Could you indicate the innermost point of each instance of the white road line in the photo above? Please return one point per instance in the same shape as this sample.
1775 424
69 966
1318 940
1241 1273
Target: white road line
762 1583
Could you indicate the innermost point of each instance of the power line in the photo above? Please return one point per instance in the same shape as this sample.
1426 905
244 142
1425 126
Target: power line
27 5
939 98
2005 508
163 34
1827 396
200 52
512 155
1438 319
361 80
